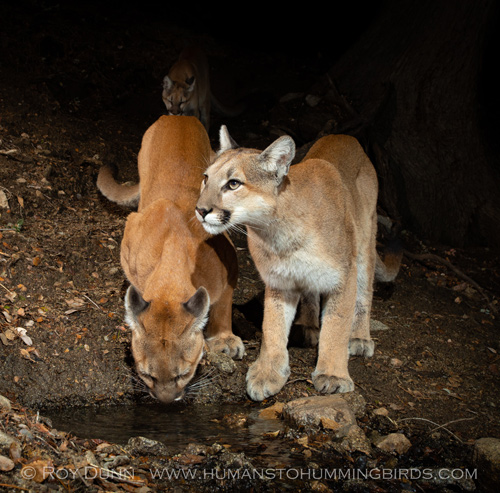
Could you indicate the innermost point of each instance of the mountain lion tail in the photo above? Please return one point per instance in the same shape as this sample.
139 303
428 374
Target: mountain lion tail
125 195
386 270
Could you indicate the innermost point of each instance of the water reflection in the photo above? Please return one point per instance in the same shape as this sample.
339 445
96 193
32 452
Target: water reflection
234 425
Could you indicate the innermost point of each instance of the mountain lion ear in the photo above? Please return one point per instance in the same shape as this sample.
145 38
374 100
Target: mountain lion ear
277 157
134 306
226 141
198 306
167 82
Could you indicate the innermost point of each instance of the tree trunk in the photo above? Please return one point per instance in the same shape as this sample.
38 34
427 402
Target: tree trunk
414 77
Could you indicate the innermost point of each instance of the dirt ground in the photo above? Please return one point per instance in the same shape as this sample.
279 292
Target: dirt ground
68 105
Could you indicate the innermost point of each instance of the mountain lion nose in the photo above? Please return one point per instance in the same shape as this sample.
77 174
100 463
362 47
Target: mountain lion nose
203 212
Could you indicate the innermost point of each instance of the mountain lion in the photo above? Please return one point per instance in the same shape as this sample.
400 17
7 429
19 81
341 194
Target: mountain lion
311 233
178 272
186 88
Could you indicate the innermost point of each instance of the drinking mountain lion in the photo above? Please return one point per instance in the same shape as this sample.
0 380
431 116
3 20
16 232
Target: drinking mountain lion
178 272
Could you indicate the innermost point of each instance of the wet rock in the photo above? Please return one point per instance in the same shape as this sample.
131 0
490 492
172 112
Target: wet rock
355 441
487 460
196 449
146 446
330 411
393 443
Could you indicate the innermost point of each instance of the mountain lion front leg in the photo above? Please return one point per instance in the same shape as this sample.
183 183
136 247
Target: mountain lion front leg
218 333
267 375
331 374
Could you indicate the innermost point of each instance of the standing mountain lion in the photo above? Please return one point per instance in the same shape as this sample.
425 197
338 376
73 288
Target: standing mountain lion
178 272
311 233
186 88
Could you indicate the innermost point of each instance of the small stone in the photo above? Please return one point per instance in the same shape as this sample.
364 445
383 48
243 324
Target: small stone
394 442
6 440
4 203
5 403
396 363
330 411
381 411
356 441
146 446
196 449
487 459
6 464
223 362
377 325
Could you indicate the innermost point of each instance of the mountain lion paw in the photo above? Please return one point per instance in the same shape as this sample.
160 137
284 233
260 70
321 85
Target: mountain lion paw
331 385
361 347
231 345
304 336
264 380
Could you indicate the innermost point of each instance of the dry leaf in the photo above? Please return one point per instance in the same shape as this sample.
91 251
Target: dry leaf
75 302
25 354
10 334
23 335
38 470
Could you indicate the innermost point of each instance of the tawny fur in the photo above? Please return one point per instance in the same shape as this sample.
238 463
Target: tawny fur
187 91
186 88
177 271
311 232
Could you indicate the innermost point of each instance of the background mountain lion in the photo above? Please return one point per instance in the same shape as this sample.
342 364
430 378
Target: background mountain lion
311 232
186 88
178 273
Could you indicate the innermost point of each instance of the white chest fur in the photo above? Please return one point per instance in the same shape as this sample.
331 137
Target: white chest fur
298 266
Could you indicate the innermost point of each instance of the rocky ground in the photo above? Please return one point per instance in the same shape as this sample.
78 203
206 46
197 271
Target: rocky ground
70 102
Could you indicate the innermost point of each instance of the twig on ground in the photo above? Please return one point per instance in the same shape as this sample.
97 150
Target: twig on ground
438 426
421 257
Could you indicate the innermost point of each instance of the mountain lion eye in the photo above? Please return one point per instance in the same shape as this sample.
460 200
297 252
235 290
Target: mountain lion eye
205 179
233 184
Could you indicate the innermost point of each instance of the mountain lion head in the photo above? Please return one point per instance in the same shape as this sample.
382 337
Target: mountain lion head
166 357
177 94
241 185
